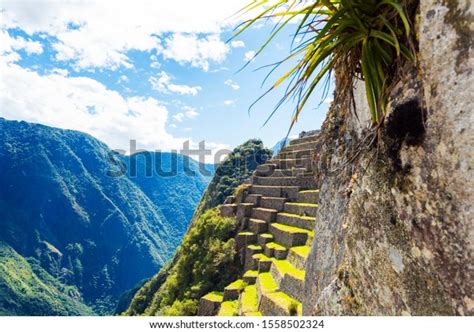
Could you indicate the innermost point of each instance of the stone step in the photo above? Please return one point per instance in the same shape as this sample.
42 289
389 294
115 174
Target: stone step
249 261
262 262
229 308
265 169
299 146
292 154
264 238
308 196
233 290
265 284
286 172
258 226
304 182
269 215
229 200
279 304
248 302
228 210
250 277
295 220
253 198
273 249
290 192
288 278
297 256
243 239
302 209
290 163
289 236
244 210
276 203
210 304
310 138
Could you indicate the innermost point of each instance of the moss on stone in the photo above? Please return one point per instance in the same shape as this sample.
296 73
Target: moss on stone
309 191
246 233
291 229
275 246
251 273
285 267
303 204
267 283
302 251
214 296
296 216
238 284
267 235
249 300
228 308
285 301
254 247
261 257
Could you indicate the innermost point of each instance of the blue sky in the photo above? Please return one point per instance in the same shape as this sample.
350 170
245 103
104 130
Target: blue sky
157 72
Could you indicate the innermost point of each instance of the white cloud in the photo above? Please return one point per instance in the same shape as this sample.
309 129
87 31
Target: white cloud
237 44
179 117
232 84
249 56
99 34
198 52
66 102
10 45
123 78
190 112
229 102
162 83
59 71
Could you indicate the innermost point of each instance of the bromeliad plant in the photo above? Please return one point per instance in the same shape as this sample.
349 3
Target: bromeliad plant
365 39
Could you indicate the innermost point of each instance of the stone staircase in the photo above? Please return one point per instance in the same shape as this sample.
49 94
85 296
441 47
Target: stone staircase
276 216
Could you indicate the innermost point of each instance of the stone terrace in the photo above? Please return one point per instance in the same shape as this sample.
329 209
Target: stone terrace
276 216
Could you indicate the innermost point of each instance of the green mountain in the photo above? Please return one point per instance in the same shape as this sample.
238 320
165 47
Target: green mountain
89 218
206 257
27 289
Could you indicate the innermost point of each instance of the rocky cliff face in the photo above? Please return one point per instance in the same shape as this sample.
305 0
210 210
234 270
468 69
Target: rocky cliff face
394 228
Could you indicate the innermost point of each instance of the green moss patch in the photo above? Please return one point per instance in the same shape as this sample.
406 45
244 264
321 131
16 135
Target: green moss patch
285 301
249 300
246 233
309 191
261 257
267 283
238 284
302 251
303 204
296 216
254 247
251 273
290 229
228 308
275 246
214 297
267 235
285 267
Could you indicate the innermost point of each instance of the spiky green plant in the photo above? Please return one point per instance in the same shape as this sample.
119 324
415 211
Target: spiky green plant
364 38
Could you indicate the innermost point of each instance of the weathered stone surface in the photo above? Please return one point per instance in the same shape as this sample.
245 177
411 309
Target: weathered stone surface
395 226
208 307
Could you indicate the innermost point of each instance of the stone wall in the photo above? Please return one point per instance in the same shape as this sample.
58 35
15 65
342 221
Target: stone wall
394 229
